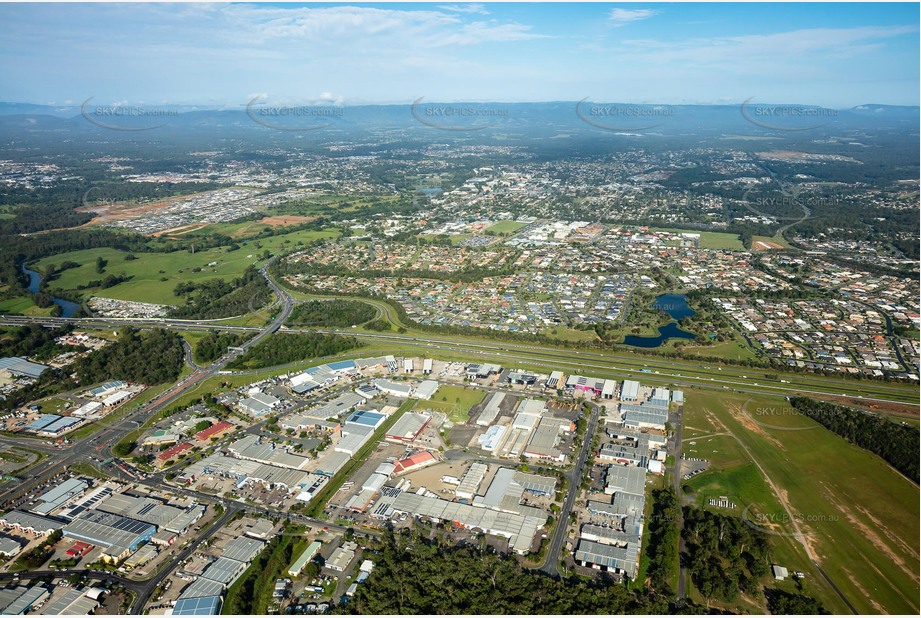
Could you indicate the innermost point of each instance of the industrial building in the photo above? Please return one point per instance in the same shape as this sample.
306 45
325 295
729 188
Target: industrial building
152 511
342 557
21 368
9 547
628 479
630 390
396 389
414 462
30 523
369 418
426 389
482 370
470 483
608 557
308 554
119 535
491 410
354 436
408 427
57 496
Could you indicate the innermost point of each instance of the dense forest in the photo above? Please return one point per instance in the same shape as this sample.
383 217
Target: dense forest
785 603
897 444
335 313
725 556
279 349
214 344
413 575
218 298
148 357
664 534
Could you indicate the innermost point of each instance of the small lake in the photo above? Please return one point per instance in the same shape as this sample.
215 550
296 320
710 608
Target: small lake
68 308
676 306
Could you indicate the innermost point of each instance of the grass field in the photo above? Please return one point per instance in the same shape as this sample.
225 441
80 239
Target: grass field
858 516
570 334
23 305
732 350
505 227
155 275
454 401
710 240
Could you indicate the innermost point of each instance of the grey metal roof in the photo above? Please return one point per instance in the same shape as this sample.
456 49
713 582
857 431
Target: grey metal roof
198 606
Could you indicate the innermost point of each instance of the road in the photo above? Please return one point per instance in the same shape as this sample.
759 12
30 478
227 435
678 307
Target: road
146 587
561 530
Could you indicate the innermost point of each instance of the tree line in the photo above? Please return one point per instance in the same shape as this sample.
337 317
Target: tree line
148 357
332 313
280 349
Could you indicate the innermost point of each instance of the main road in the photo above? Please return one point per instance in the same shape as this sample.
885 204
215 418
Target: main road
560 531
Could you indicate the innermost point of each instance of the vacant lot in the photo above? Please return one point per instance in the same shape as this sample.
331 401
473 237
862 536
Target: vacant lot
454 401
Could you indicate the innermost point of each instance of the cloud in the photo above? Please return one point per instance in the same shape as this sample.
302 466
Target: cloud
471 7
622 17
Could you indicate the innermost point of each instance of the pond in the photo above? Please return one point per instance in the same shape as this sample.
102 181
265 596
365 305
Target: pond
68 308
676 306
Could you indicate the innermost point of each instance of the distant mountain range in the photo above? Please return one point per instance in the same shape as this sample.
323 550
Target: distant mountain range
546 119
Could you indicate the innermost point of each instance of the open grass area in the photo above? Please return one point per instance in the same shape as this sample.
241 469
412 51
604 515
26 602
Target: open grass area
453 401
23 305
710 240
570 334
155 275
731 350
54 405
505 227
859 517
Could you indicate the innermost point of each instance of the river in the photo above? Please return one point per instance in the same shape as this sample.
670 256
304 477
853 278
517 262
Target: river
68 308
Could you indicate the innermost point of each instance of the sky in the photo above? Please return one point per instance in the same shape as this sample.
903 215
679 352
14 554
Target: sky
223 55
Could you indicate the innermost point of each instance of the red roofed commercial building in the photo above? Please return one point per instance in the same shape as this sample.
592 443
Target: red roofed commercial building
79 549
414 462
408 427
173 452
216 429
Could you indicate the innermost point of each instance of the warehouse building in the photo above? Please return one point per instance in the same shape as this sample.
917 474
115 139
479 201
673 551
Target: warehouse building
69 602
368 418
555 380
354 436
482 370
56 497
415 461
630 391
152 511
396 389
608 557
342 557
21 368
30 523
119 535
426 389
492 437
427 366
628 479
408 427
308 554
470 482
9 547
21 599
491 411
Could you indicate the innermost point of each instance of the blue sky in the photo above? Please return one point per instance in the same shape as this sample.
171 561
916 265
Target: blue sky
837 55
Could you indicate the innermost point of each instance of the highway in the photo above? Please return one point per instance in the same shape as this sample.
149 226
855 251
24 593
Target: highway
612 364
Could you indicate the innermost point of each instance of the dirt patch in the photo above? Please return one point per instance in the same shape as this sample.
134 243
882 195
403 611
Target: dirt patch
879 608
284 220
904 410
182 229
740 414
763 245
870 534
